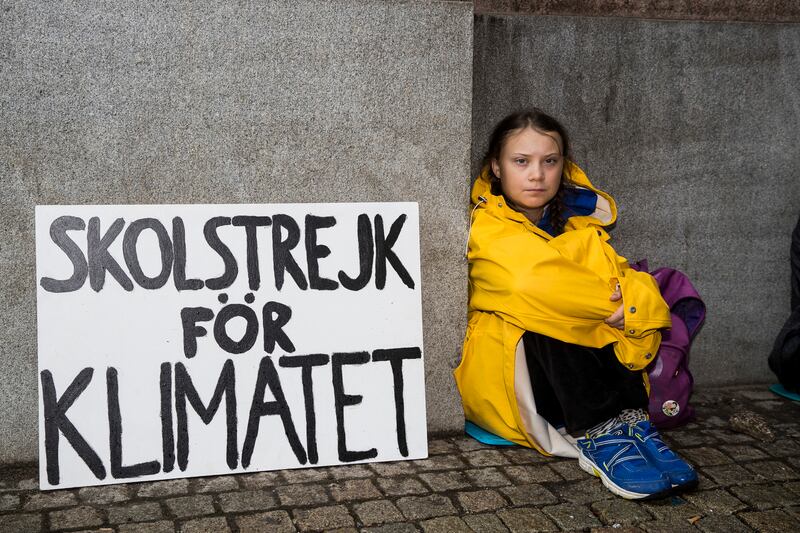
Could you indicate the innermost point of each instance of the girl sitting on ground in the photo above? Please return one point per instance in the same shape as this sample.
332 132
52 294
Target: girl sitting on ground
560 327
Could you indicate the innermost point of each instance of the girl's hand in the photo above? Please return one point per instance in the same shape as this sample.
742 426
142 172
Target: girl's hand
617 320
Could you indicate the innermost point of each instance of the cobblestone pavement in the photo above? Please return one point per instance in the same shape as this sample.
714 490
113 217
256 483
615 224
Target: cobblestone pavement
746 484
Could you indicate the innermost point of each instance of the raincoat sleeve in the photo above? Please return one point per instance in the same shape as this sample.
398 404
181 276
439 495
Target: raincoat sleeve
561 288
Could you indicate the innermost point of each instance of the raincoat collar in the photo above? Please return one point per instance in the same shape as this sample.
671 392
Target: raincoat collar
605 213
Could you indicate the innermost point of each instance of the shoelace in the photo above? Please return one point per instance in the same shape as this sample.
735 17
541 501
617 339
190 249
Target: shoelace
621 455
656 438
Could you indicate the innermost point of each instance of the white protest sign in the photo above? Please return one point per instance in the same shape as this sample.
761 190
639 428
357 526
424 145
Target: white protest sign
194 340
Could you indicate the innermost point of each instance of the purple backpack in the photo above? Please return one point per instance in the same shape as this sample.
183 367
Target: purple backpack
670 380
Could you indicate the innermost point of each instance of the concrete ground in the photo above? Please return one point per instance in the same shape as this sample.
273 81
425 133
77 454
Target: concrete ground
747 484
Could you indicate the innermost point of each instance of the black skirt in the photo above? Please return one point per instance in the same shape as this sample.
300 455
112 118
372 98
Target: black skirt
579 387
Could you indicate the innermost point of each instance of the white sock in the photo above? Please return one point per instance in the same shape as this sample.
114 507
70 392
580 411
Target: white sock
603 427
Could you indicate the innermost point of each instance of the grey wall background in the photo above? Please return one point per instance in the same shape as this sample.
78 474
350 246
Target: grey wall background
217 102
693 127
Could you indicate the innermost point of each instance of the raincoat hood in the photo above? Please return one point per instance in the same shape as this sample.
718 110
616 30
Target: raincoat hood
584 195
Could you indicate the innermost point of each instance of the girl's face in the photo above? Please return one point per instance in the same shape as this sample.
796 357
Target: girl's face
529 168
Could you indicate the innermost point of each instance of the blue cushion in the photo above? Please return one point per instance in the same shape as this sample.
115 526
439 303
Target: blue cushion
781 391
483 436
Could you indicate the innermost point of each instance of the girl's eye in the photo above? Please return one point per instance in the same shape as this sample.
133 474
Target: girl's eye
519 161
551 161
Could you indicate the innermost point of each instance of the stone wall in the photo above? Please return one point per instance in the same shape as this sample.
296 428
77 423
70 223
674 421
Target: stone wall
217 102
693 128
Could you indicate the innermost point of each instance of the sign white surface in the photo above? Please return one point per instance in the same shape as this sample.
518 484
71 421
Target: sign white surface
193 340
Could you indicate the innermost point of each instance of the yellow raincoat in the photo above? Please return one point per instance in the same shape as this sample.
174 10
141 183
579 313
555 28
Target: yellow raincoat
522 279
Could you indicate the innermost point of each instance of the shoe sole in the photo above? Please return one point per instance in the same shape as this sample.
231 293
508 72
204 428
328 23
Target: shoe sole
589 467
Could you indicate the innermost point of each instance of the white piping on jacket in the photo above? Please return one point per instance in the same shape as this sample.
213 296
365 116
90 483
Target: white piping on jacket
481 199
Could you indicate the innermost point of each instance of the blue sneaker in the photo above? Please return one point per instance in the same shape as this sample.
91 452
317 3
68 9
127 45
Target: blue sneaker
680 473
617 461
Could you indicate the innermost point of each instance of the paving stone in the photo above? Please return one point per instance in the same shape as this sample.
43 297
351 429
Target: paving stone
743 452
50 500
531 474
377 512
28 484
569 470
9 502
440 462
217 524
104 495
586 491
768 405
442 481
350 472
306 475
679 441
669 525
445 524
714 421
214 484
399 468
763 497
721 524
302 495
76 517
617 528
391 528
519 455
727 475
485 523
487 477
704 482
727 436
773 470
260 480
323 518
159 489
441 446
705 456
757 394
480 501
715 501
247 500
619 511
485 458
188 506
572 516
673 508
342 530
354 490
782 447
773 521
525 520
529 495
468 444
134 512
21 523
793 510
401 486
421 507
163 526
793 486
272 522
